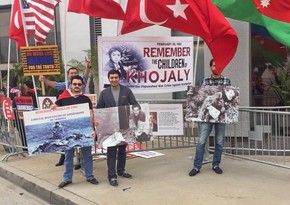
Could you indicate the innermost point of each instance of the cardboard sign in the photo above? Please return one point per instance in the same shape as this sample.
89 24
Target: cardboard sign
40 60
46 101
7 108
24 102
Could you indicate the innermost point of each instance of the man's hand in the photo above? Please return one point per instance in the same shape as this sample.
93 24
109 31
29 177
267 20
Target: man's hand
41 78
53 106
93 134
88 62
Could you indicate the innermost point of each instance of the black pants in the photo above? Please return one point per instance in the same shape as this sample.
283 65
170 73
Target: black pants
111 160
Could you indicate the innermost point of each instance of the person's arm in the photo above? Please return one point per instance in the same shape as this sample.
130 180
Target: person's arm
93 123
101 102
46 81
132 99
88 67
141 121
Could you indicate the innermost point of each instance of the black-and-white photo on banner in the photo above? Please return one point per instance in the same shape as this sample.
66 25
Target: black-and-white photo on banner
213 104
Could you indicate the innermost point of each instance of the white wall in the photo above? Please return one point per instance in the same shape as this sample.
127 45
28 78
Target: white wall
239 68
5 2
75 32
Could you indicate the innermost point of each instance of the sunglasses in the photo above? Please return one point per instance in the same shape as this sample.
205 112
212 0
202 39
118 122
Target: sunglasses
77 84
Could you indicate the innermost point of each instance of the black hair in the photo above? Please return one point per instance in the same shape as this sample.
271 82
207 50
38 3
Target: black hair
113 49
211 62
76 77
111 72
72 68
136 105
29 84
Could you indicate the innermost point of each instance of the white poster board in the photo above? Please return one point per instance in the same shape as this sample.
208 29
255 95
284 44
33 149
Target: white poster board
147 64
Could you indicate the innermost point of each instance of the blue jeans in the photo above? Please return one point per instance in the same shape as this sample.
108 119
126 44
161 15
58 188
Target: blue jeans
88 163
204 130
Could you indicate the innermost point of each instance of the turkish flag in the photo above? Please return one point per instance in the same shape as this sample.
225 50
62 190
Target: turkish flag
276 9
99 8
16 31
197 17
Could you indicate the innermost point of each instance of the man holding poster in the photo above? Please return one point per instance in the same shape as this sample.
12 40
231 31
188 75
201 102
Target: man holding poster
204 128
113 96
70 97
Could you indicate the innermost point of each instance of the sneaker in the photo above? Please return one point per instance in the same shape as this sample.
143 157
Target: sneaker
193 172
114 182
217 170
78 166
93 181
59 164
125 175
63 184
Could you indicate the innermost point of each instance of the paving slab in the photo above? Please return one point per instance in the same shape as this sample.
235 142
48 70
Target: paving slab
162 180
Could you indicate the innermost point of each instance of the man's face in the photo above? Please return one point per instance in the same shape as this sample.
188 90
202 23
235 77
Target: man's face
213 69
72 72
136 111
151 119
114 80
76 86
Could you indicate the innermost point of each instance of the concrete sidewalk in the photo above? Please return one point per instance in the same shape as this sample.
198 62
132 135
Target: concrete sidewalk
162 180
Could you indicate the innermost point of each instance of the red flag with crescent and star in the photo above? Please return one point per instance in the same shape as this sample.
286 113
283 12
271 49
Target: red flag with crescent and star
99 8
196 17
16 31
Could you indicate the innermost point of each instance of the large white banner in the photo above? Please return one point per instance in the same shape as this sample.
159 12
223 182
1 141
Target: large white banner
147 64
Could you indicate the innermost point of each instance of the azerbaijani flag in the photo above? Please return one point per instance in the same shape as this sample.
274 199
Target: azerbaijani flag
271 50
272 14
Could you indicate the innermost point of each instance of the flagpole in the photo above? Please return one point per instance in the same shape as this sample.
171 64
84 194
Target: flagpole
1 80
35 92
8 73
63 39
195 62
54 26
8 67
9 51
120 24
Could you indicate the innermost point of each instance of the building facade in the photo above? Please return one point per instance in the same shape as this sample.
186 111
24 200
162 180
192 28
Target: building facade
75 33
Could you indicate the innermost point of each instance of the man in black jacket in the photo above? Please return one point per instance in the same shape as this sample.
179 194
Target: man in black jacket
113 96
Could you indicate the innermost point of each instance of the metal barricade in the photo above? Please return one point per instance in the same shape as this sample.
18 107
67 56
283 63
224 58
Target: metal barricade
262 135
12 136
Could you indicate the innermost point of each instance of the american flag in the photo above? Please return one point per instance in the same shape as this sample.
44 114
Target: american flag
38 17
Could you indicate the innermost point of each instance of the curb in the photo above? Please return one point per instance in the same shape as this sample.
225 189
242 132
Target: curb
40 188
